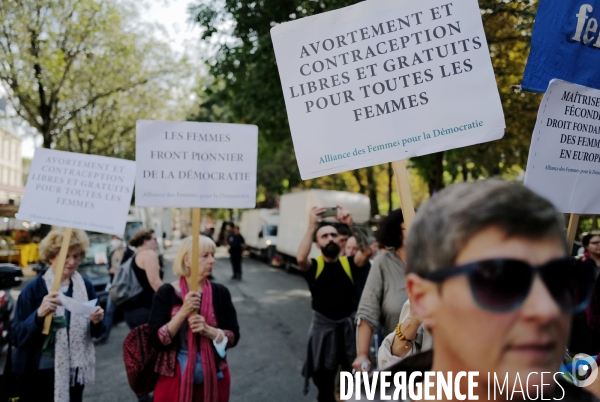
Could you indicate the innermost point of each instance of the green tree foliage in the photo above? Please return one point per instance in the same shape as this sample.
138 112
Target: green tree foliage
80 73
246 84
246 77
508 26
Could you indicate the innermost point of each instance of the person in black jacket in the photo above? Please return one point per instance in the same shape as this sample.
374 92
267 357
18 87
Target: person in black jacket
55 367
236 245
193 330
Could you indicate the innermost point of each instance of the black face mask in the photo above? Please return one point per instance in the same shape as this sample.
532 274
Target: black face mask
331 250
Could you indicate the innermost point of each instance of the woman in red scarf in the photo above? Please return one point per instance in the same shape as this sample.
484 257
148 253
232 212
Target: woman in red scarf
192 363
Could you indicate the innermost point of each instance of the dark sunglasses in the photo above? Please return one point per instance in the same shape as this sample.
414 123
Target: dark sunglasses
502 285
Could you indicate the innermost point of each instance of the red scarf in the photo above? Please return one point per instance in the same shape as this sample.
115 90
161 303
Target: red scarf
209 366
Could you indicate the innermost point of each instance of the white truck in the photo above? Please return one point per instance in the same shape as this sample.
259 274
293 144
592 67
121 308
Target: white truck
259 228
293 218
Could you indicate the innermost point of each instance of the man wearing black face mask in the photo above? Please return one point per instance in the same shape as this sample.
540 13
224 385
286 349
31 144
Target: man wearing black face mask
332 337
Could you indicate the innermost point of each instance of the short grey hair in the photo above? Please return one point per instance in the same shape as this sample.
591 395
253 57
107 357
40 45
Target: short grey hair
446 222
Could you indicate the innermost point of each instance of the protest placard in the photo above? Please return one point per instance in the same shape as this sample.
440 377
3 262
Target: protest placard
564 158
78 191
564 45
385 80
189 164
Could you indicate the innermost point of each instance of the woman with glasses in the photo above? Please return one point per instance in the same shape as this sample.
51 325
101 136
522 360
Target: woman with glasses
193 331
146 267
55 367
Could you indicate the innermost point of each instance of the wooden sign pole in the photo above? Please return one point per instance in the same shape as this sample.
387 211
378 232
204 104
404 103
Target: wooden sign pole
572 230
60 266
408 207
195 250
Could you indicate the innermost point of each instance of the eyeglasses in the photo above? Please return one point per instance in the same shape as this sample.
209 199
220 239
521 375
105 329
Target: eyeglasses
502 285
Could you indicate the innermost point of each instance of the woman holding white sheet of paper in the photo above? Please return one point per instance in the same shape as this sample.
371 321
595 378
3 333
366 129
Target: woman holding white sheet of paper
57 366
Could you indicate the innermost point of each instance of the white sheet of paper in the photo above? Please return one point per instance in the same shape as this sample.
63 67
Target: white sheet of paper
87 192
564 158
190 164
385 80
76 307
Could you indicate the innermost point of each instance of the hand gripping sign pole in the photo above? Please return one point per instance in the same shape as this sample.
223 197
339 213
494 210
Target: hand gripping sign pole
62 257
195 251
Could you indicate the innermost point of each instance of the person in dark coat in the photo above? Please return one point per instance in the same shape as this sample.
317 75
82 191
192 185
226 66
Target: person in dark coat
236 244
57 366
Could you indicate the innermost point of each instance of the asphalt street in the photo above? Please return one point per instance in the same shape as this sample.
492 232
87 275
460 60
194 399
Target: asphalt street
274 313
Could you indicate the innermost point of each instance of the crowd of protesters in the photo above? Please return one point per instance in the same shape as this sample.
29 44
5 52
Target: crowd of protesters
484 267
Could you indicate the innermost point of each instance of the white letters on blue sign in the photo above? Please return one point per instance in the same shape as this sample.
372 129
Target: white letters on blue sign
590 25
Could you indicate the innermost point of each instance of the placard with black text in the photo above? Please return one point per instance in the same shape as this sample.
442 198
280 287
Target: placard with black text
189 164
87 192
385 80
564 158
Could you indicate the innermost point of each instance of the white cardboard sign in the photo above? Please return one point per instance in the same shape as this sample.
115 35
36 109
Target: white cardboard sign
87 192
189 164
564 158
386 80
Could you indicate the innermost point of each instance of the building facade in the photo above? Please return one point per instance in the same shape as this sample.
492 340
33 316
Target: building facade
11 168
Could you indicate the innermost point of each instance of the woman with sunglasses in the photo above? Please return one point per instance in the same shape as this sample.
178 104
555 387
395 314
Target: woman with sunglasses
488 276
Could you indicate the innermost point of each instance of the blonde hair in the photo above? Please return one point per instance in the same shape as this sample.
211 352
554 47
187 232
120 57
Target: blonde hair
206 245
50 245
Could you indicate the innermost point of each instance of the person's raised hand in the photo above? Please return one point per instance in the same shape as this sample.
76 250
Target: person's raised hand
344 216
191 304
315 215
97 316
49 304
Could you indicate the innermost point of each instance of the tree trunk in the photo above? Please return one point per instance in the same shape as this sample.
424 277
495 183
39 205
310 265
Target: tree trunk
362 189
47 140
372 191
436 179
